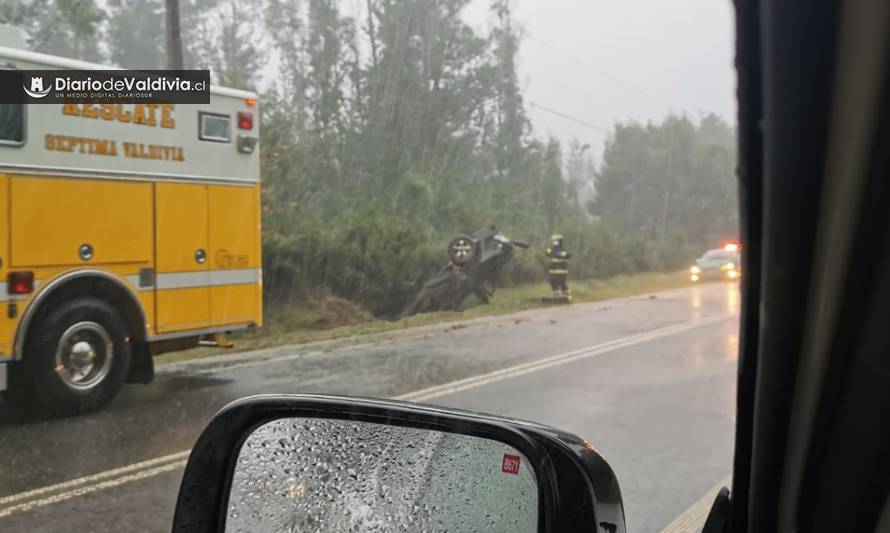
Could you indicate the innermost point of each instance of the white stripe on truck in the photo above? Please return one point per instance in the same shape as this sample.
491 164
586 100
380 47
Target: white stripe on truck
171 280
213 278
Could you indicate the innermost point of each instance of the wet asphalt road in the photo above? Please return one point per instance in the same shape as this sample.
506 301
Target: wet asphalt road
661 410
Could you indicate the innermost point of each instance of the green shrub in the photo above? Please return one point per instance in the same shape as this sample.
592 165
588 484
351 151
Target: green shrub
380 261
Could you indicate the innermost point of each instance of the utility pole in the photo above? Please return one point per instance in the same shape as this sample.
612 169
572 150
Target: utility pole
174 36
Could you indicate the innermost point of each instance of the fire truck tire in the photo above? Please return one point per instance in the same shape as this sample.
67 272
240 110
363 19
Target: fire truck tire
76 359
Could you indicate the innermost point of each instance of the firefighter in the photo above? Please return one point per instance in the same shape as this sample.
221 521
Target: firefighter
558 270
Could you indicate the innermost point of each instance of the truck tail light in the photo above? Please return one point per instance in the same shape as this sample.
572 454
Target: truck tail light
20 282
245 120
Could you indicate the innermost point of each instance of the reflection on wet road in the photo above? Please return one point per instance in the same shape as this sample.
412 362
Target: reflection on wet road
648 380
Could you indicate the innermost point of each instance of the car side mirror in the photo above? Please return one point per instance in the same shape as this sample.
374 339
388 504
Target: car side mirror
334 464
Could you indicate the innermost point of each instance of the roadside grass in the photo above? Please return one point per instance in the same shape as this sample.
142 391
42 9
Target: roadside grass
334 318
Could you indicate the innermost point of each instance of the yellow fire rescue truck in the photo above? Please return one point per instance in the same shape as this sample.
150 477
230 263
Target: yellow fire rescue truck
126 230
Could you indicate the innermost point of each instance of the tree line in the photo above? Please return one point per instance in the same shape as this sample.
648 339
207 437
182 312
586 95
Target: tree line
388 129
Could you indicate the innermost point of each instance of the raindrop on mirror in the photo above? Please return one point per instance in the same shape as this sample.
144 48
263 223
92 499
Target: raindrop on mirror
330 476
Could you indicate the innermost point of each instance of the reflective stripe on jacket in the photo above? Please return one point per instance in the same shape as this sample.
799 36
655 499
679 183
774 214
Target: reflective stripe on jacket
559 263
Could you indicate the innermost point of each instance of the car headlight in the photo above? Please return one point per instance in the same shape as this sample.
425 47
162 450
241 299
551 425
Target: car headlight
729 266
695 269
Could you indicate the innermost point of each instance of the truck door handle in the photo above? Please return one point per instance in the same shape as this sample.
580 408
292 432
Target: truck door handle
200 256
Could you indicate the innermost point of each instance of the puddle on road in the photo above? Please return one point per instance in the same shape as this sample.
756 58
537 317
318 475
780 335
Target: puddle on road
188 382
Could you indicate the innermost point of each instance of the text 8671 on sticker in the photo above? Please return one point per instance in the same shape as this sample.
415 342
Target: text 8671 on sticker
510 465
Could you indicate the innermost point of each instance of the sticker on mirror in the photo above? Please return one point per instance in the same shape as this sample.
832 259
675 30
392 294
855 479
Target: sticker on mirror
510 464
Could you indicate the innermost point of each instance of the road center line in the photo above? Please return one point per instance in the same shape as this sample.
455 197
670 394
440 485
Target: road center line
94 478
53 494
547 362
86 489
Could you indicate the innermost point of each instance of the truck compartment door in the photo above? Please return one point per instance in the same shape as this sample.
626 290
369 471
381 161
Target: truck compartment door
235 274
79 222
182 285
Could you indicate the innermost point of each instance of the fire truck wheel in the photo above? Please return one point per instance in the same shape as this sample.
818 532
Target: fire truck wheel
75 360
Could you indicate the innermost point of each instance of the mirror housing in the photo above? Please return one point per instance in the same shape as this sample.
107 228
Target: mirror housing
577 489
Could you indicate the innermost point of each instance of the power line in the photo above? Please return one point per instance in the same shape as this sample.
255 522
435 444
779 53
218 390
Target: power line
584 94
569 117
587 63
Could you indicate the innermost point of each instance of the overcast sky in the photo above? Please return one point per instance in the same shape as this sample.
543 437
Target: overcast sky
600 61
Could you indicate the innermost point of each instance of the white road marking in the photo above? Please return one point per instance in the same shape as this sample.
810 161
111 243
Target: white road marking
235 361
95 478
60 492
86 489
541 364
693 519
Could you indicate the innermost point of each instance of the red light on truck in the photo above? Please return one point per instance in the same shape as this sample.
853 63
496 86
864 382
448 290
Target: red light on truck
245 120
250 102
20 282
